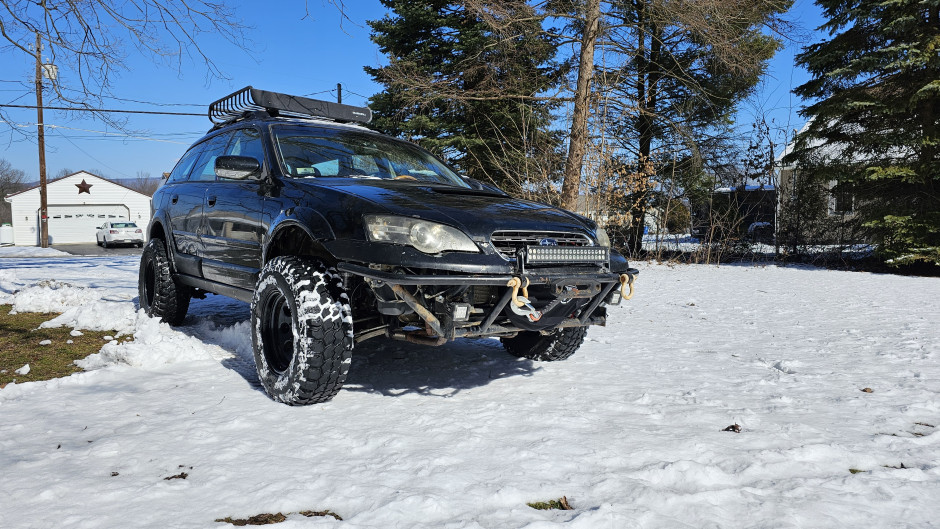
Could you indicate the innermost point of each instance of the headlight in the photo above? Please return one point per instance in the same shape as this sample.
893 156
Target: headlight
428 237
602 238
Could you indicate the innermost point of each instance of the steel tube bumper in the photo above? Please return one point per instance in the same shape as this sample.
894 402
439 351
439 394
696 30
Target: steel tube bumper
534 276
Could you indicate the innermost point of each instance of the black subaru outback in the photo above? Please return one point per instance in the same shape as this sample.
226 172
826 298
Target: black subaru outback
336 234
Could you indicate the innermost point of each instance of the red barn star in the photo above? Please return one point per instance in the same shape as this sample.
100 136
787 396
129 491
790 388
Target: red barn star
84 187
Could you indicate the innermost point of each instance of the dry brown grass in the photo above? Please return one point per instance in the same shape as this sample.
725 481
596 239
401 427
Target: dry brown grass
19 345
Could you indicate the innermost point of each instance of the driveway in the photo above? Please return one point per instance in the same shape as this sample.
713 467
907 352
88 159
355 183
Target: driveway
94 249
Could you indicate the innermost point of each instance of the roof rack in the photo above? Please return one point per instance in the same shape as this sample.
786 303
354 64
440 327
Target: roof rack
235 104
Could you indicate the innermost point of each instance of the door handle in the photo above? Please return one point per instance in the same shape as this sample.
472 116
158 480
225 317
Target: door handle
174 199
211 201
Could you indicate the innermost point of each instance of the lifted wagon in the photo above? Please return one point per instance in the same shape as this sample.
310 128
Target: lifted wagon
336 234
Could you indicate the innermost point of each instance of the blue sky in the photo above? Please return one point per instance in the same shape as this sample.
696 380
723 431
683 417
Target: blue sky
289 52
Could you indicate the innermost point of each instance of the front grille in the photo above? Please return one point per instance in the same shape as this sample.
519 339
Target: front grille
507 242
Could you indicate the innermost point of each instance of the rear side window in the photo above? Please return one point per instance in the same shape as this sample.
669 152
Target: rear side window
185 165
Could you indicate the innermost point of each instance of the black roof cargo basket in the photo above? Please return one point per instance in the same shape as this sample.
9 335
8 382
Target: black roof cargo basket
248 98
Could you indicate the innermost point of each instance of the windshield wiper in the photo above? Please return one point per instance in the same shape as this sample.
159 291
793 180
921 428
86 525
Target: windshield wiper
458 190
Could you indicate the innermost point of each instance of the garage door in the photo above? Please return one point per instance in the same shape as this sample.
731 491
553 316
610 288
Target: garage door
75 224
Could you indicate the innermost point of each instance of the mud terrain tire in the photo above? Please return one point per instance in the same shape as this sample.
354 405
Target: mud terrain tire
556 346
160 295
301 331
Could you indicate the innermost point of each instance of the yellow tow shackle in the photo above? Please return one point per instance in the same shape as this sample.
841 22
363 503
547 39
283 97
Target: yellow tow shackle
516 284
626 281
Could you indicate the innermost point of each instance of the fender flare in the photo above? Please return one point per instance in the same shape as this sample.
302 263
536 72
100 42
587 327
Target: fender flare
162 218
306 219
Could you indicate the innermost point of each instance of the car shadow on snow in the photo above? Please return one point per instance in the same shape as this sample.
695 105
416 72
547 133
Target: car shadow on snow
379 366
392 368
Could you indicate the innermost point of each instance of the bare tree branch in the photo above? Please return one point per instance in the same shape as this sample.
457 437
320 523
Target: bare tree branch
88 39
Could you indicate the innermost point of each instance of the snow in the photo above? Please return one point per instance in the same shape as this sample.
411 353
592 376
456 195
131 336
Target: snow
629 429
30 251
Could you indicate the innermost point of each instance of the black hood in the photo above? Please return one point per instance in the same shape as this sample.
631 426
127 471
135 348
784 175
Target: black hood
476 212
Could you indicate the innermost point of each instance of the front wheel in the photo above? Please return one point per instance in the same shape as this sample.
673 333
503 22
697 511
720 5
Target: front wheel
558 345
160 296
301 331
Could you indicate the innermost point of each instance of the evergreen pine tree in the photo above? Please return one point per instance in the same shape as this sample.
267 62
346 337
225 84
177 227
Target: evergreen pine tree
876 118
502 134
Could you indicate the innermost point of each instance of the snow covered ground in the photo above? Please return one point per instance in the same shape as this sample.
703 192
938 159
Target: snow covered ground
30 251
629 429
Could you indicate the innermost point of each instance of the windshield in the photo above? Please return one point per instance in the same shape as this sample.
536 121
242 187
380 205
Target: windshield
307 152
123 225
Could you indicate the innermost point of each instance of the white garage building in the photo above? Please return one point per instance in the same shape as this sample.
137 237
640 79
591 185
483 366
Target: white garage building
78 204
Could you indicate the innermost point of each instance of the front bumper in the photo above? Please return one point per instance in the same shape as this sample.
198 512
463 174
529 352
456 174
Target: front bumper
595 287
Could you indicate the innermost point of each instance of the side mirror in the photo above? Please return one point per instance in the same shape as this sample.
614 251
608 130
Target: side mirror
237 167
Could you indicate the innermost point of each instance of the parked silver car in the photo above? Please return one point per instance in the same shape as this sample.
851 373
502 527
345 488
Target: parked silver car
113 233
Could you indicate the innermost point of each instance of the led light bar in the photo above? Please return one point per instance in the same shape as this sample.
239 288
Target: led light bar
566 254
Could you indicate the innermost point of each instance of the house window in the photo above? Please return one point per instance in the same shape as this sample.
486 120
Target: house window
841 198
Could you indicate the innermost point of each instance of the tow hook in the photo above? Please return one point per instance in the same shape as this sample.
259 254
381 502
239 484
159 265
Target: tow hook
520 304
626 281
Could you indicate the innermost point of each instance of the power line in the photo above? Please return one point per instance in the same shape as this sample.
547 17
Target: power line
108 110
116 98
106 133
92 157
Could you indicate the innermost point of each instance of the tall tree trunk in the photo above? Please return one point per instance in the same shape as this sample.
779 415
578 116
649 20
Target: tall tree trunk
577 142
648 74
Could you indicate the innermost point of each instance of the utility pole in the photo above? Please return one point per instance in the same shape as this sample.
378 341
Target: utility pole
339 93
43 205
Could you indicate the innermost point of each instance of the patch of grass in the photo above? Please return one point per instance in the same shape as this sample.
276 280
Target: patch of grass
855 471
19 345
268 518
311 514
258 519
560 504
898 467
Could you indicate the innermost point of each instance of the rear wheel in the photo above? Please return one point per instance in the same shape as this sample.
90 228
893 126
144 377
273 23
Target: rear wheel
104 242
301 331
559 345
160 295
